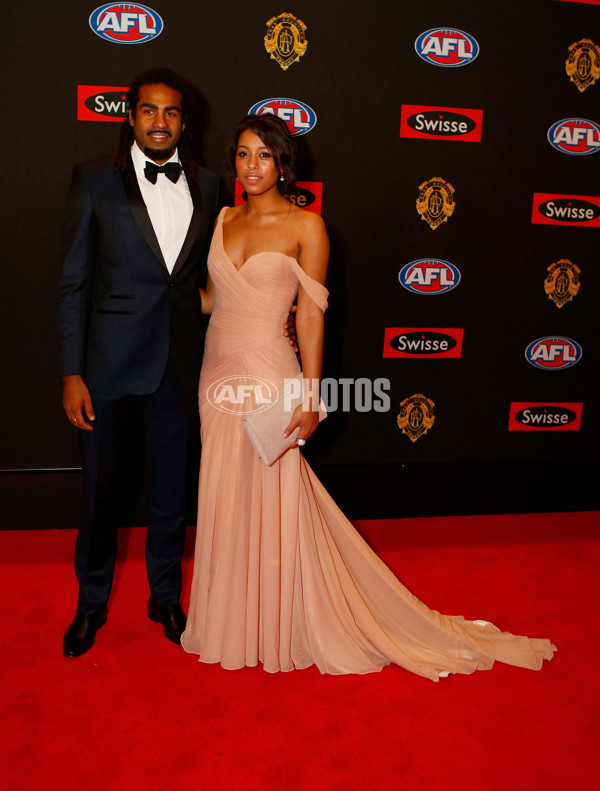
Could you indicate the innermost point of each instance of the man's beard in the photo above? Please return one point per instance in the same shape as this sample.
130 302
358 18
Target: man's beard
158 154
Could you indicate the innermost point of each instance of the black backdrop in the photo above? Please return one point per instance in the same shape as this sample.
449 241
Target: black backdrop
359 69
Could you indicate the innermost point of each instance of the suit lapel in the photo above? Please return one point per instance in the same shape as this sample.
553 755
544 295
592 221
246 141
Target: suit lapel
193 228
138 207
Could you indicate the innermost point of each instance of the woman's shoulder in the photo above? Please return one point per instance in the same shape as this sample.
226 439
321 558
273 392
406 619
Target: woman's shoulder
307 221
231 213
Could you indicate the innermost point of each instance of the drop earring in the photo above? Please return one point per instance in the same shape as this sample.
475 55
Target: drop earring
281 177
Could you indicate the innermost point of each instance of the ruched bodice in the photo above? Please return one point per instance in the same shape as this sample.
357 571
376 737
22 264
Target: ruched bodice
280 575
252 304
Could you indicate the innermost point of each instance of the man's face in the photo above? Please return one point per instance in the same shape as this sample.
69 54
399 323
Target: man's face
158 121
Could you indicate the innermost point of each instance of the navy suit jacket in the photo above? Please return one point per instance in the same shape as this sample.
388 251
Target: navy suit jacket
120 311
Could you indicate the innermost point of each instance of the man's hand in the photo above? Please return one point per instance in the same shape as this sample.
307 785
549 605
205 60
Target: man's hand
289 328
77 402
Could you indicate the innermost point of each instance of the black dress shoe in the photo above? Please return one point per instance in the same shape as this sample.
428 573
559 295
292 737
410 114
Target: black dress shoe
172 618
81 634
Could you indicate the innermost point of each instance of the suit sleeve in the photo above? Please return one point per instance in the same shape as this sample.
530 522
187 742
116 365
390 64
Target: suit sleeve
75 282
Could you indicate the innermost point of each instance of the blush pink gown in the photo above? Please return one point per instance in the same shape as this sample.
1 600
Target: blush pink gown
280 575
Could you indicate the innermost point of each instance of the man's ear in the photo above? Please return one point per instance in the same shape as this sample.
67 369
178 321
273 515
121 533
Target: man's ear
131 118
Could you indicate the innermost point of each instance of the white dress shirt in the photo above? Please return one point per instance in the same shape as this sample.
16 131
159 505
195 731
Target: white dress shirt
169 206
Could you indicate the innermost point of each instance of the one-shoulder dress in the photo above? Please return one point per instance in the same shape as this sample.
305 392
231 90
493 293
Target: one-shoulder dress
280 575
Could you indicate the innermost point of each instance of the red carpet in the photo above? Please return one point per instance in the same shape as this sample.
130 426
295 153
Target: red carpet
136 712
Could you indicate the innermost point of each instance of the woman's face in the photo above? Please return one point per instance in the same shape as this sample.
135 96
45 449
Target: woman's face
255 164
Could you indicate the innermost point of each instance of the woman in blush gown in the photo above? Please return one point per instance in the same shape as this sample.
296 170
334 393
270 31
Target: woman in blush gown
280 575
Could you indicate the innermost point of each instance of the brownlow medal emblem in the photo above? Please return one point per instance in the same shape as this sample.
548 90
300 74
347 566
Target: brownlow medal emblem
562 282
583 63
286 40
436 201
416 416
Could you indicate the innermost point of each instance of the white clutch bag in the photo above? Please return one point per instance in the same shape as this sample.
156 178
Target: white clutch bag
265 428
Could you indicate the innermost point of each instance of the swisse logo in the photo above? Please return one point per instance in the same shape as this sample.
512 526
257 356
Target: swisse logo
576 136
422 342
309 197
575 211
242 394
441 123
299 117
126 23
101 103
429 276
447 47
544 416
553 353
553 209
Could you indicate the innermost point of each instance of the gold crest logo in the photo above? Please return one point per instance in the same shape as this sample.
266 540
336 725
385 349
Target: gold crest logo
583 63
285 40
416 416
562 282
435 202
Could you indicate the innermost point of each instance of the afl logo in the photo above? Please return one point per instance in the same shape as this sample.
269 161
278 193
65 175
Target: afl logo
575 136
429 276
447 47
126 23
242 394
553 353
299 117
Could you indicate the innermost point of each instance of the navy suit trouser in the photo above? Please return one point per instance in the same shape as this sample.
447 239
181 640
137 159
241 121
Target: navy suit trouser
167 418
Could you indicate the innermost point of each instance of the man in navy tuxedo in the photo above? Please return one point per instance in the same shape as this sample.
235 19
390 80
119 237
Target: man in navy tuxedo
130 337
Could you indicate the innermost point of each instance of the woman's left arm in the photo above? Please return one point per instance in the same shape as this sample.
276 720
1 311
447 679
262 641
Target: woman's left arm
313 257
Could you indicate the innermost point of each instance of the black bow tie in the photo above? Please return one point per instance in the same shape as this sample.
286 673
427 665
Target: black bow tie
172 171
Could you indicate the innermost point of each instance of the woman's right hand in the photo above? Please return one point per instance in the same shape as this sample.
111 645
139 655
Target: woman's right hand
307 420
